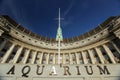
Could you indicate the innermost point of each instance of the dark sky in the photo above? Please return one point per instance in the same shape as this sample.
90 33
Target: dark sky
79 16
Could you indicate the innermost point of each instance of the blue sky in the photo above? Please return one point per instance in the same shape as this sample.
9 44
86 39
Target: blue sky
79 16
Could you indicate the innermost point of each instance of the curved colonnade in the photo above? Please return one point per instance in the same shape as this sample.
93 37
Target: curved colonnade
100 46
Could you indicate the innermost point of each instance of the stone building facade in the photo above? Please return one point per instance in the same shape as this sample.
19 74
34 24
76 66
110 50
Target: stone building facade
94 55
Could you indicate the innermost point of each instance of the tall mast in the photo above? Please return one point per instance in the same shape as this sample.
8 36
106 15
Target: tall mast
59 37
59 19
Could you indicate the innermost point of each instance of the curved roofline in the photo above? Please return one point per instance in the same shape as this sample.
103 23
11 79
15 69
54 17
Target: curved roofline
102 26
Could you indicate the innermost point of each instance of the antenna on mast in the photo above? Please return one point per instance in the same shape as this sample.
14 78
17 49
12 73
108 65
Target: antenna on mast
59 18
59 37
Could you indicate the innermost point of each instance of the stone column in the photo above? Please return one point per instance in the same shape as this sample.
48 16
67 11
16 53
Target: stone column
26 56
118 50
16 57
102 59
115 46
91 57
33 57
64 58
110 54
3 44
41 57
56 58
84 58
53 58
47 58
77 58
7 54
1 32
71 60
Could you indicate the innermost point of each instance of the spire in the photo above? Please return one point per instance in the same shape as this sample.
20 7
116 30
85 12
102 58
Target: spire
59 30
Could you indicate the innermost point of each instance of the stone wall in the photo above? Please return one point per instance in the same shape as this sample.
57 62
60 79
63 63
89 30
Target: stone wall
58 72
